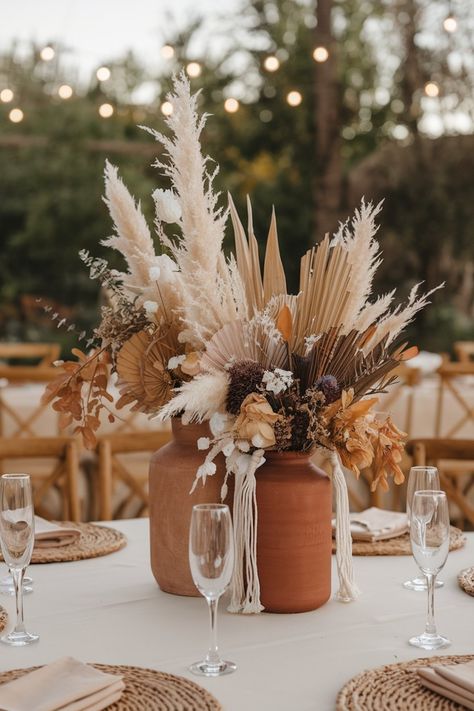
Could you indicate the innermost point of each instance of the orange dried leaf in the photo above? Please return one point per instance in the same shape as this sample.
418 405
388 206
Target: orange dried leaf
284 323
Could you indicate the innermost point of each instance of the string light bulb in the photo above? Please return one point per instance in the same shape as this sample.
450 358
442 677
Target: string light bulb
65 91
47 54
271 64
103 73
450 24
6 95
16 115
231 105
320 54
431 89
193 69
167 108
167 51
106 110
294 98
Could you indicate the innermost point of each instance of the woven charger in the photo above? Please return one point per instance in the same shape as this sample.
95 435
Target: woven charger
396 687
148 690
3 618
466 580
400 545
95 541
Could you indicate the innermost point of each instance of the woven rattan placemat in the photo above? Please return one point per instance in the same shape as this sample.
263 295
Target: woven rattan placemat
395 687
3 618
95 541
400 545
148 690
466 580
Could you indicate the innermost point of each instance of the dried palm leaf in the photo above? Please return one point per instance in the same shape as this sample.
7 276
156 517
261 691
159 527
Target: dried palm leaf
274 280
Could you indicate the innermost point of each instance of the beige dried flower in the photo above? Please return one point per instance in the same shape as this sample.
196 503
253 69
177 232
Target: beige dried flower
256 420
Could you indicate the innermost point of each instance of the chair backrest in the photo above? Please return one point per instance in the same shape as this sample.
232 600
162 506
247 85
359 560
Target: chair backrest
53 464
453 378
113 469
455 461
464 351
44 353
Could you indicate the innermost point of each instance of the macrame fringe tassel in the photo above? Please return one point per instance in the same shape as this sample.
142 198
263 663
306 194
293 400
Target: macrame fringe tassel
246 587
348 590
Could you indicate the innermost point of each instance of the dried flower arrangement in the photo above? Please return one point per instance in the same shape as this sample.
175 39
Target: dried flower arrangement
192 334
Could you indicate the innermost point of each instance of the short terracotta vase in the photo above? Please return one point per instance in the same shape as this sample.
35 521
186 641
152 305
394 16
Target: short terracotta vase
294 502
172 472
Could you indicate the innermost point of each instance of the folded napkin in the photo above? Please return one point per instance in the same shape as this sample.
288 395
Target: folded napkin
455 682
49 535
65 685
377 524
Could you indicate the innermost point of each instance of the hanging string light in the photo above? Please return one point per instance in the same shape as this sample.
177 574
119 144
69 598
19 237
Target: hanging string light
103 73
294 98
6 95
320 54
167 51
106 110
431 89
193 69
16 115
47 54
231 105
450 24
271 64
65 91
167 108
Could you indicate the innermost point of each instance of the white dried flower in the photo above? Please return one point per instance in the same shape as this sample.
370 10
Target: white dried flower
217 423
228 448
205 470
155 273
277 381
175 361
151 307
203 443
167 205
243 445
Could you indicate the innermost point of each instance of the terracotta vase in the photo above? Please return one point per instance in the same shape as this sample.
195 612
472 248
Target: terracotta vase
294 533
172 473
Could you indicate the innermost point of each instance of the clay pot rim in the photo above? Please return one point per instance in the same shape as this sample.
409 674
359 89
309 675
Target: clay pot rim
288 454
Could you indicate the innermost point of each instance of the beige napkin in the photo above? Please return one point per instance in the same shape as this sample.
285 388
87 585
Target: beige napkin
64 685
455 682
49 535
377 524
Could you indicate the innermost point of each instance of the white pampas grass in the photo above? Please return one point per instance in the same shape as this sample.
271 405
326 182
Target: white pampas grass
364 259
199 399
212 291
132 237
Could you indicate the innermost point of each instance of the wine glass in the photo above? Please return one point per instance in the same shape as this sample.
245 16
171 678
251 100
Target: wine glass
17 536
7 586
429 535
420 478
211 559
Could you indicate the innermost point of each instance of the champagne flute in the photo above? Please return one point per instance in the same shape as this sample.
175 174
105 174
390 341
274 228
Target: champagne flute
17 536
429 535
211 559
7 586
420 478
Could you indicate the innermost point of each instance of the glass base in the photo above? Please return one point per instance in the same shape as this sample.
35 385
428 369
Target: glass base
419 584
429 641
205 669
19 639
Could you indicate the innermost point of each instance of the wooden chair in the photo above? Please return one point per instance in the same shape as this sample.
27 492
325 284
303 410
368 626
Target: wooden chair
112 470
45 353
464 351
455 461
63 477
452 379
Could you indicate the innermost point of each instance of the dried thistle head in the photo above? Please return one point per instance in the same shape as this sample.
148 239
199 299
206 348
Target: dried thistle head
245 378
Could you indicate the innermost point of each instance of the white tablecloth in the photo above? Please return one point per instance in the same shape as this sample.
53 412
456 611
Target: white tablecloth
110 610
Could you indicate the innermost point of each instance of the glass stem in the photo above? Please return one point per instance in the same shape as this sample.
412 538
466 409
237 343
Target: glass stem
18 574
430 627
212 656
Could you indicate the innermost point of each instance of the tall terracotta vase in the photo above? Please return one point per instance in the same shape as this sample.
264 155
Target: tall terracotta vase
172 472
294 533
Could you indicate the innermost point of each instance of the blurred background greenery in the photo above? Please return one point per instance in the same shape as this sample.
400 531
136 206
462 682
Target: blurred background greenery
313 106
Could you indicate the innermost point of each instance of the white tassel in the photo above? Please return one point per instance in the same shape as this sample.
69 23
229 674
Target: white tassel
348 590
246 589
